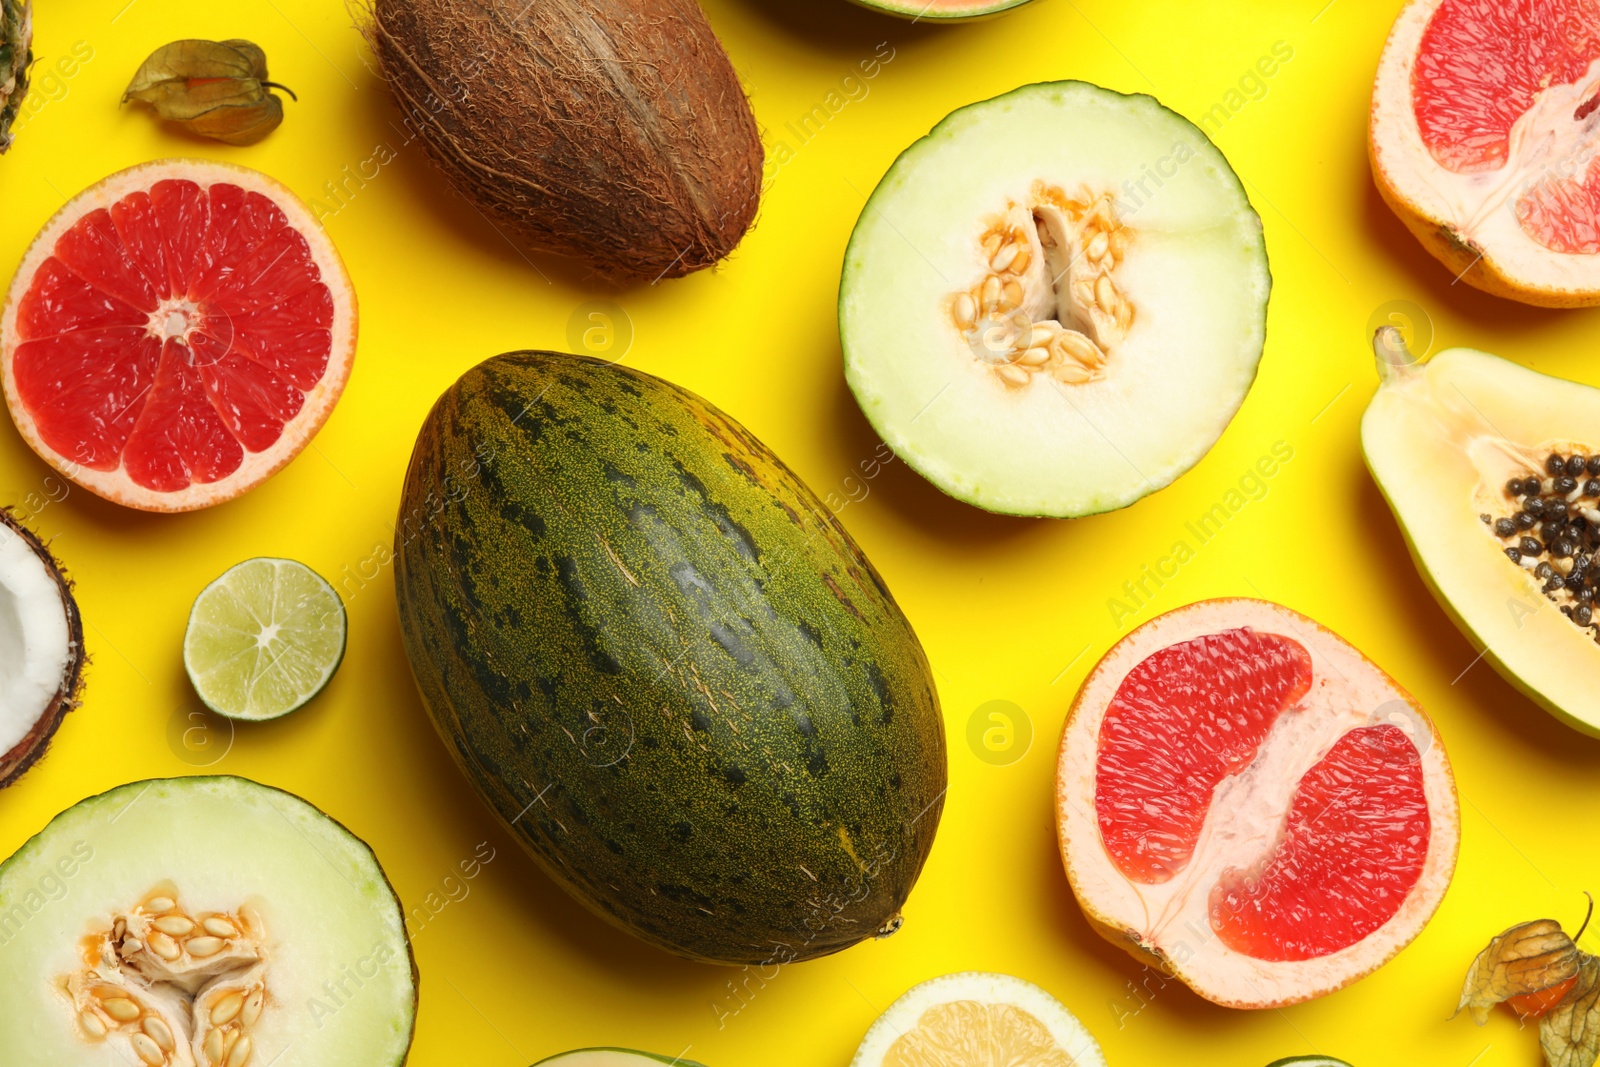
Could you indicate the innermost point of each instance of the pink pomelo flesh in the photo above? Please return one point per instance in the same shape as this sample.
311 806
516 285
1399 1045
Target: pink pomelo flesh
1482 66
1249 800
1192 714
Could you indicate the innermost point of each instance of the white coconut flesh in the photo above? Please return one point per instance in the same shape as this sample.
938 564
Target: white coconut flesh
38 648
1443 439
1255 838
1497 208
200 922
974 1019
1054 303
612 1057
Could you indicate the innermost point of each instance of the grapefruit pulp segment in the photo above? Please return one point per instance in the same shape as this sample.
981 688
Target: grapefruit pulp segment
1354 846
1183 719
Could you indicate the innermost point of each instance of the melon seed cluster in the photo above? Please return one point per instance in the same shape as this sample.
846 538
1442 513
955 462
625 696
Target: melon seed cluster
1049 304
182 989
1555 533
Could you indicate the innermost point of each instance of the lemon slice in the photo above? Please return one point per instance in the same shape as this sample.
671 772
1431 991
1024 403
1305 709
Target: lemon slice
978 1020
264 639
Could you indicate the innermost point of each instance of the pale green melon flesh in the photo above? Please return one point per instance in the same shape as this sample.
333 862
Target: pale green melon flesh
1195 272
340 981
1441 440
612 1057
942 10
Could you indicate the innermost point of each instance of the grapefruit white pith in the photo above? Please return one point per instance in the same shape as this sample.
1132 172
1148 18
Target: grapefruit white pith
1247 802
176 334
1485 140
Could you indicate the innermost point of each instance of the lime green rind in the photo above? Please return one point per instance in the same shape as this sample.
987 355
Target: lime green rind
885 190
607 1056
197 672
972 12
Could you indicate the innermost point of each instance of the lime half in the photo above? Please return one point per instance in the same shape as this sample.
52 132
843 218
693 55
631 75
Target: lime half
263 639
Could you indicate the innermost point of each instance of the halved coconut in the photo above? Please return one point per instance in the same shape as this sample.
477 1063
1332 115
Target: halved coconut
41 648
1493 472
1485 140
974 1019
1247 802
613 1057
201 922
1054 303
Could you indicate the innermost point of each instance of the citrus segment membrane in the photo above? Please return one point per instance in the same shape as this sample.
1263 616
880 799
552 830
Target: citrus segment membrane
1248 803
176 333
1184 719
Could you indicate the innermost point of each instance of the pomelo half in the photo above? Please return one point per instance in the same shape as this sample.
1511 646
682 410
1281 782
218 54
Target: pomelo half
1247 802
1054 303
176 334
943 10
1485 140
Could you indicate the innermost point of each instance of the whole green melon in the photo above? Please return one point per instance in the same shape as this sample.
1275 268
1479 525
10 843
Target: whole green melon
664 663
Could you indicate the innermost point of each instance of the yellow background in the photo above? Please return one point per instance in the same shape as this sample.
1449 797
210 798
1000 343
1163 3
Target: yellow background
1008 609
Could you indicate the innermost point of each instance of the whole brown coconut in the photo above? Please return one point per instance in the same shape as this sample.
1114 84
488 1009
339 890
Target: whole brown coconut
611 131
41 643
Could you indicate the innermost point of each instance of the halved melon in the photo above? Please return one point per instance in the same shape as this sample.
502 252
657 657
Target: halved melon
1445 442
1247 802
1054 303
943 10
201 922
1485 140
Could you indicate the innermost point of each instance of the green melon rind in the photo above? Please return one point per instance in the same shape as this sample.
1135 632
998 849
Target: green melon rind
886 189
912 9
385 891
611 1055
582 547
344 645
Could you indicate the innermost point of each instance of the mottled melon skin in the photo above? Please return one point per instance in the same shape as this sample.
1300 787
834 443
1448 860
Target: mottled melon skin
664 664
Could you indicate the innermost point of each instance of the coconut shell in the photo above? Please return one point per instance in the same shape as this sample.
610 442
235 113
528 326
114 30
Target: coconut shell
31 748
612 131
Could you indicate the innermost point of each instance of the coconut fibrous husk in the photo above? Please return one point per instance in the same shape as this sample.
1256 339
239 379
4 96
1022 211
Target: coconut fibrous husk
615 132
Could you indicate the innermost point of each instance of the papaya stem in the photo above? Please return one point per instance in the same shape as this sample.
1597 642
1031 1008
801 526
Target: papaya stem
1394 357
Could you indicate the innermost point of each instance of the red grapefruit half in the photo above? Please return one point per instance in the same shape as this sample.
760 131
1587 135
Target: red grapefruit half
1485 140
1246 801
177 333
